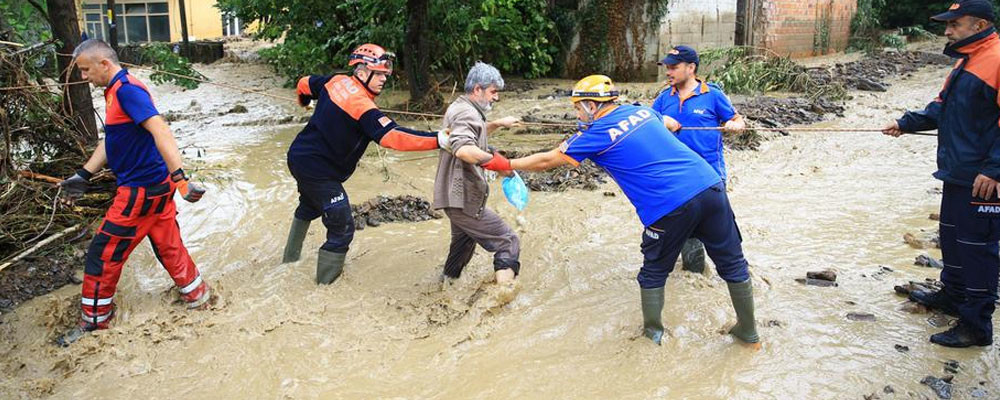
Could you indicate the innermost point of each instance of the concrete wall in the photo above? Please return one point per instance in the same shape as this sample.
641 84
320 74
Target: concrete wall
803 28
204 19
698 23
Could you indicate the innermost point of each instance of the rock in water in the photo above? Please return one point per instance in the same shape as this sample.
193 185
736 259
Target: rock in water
912 240
816 282
940 386
925 260
856 316
826 275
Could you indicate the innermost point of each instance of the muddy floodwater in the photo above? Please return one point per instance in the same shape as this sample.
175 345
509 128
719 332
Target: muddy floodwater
389 329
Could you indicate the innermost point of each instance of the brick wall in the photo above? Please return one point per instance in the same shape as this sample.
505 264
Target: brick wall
803 28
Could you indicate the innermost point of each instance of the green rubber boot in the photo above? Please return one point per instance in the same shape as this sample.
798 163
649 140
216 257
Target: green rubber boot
742 295
652 307
693 256
293 247
329 265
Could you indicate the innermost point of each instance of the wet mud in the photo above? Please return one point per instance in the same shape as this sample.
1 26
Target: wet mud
570 328
776 112
871 72
586 176
384 209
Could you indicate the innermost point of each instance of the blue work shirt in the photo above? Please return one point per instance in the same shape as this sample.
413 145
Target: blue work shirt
656 171
131 150
706 106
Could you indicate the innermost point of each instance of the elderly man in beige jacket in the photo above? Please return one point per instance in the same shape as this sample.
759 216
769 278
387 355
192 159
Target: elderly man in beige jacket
461 186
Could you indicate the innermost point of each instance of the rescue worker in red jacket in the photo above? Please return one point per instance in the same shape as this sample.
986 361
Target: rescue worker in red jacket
966 114
141 151
326 152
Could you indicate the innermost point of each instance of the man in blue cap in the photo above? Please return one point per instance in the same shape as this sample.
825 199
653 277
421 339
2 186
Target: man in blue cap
966 114
691 102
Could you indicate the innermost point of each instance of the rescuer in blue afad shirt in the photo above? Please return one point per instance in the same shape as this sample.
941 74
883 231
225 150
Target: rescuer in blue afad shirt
676 194
966 114
689 102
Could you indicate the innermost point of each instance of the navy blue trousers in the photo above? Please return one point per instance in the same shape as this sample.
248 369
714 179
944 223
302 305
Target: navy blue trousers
707 217
327 199
969 246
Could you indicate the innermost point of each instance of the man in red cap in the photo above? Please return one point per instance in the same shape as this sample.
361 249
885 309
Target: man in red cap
966 114
326 152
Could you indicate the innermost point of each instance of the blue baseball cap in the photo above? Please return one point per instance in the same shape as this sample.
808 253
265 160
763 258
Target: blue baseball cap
680 54
976 8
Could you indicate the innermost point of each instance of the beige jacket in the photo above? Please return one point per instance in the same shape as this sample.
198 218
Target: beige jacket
459 184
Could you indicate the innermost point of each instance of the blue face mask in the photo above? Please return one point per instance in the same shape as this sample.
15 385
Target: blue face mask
516 191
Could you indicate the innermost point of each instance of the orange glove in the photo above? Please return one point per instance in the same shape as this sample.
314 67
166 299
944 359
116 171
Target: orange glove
189 191
496 163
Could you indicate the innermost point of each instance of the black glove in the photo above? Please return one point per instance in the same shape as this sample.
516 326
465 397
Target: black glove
304 100
77 184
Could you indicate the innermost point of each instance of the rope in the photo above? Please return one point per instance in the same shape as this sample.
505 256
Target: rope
552 124
9 88
430 115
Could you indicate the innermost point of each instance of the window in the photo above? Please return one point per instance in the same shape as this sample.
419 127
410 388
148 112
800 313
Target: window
136 22
136 29
231 25
159 28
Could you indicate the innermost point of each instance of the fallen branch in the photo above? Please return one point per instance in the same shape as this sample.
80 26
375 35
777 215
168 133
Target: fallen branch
39 245
40 177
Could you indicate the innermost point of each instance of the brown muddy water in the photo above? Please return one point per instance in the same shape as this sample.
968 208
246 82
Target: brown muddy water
388 329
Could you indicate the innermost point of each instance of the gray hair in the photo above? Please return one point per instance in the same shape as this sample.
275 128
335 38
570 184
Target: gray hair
98 47
484 76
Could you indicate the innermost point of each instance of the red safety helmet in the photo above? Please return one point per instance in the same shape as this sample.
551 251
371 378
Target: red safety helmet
373 56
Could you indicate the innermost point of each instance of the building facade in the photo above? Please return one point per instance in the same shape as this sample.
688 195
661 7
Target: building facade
156 20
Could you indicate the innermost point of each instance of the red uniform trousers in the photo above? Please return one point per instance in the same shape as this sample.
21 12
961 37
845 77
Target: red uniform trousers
137 213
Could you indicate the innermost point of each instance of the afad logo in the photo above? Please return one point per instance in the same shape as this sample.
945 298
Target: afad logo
954 7
989 209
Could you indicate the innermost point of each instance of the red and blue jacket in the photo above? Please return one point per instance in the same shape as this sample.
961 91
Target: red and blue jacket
131 151
344 122
966 113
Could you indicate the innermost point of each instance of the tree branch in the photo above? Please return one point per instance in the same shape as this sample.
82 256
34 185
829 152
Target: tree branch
40 9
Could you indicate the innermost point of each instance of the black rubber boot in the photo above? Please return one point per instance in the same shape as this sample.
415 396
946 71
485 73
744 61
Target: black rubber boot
937 300
75 334
742 296
693 256
296 235
329 265
960 336
652 307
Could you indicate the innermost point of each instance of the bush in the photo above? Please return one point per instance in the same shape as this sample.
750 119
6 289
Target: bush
915 33
513 35
893 40
743 70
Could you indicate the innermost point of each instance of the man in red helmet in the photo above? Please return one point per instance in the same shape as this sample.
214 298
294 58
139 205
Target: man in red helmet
325 153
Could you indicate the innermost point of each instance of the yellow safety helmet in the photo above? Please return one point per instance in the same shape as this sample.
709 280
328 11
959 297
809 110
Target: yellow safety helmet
598 88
